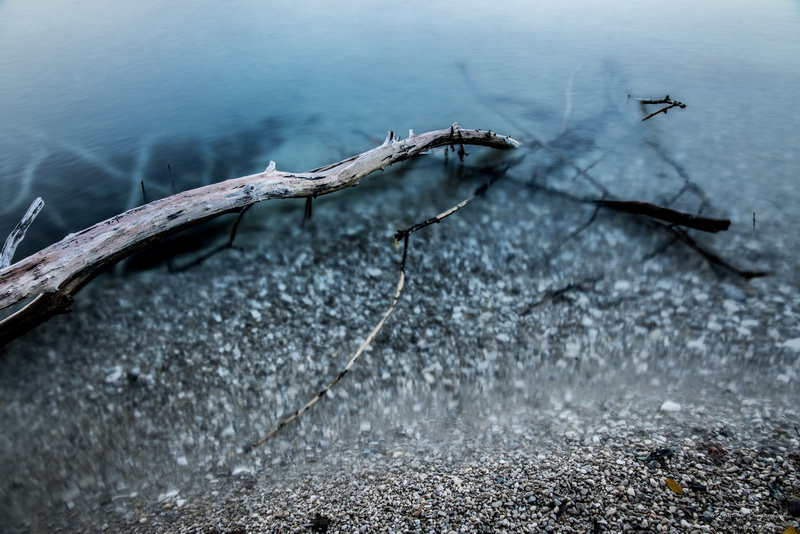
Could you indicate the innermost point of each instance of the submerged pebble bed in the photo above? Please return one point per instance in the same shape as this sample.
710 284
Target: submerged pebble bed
527 375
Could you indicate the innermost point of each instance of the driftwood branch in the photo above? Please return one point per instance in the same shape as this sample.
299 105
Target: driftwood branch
52 276
18 233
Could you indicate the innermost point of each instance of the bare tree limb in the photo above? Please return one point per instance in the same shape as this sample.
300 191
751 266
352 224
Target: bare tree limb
18 233
53 275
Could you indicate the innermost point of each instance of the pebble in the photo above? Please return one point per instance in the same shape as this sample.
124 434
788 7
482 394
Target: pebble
451 495
670 406
530 410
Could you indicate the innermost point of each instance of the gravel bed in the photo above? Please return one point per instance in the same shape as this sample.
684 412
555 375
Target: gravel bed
617 484
536 376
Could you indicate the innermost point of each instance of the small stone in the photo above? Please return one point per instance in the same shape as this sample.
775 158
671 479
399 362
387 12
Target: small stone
622 285
114 375
792 344
670 406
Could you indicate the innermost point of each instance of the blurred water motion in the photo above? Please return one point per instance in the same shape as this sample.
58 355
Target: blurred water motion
98 97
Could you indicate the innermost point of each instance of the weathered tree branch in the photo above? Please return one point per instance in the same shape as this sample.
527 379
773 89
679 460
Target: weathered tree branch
18 234
53 275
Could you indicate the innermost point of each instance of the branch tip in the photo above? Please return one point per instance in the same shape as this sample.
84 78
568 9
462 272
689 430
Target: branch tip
18 233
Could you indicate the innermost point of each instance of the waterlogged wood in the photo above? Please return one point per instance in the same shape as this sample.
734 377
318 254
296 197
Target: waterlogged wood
681 218
53 275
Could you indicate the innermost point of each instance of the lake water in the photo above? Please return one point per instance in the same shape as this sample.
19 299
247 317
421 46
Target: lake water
97 97
156 375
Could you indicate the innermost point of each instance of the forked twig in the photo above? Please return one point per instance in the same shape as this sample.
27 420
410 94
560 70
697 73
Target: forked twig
398 236
350 364
665 100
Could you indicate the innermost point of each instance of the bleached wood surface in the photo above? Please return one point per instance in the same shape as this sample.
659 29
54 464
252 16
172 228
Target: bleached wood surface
53 275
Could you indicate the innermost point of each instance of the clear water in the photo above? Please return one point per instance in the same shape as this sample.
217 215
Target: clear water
98 96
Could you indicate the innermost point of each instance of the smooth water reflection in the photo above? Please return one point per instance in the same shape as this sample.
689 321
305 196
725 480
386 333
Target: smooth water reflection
97 96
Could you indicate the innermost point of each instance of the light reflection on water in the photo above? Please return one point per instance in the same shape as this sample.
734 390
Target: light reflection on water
96 97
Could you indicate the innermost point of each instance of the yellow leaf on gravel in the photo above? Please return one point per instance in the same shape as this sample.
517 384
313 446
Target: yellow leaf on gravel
674 486
790 530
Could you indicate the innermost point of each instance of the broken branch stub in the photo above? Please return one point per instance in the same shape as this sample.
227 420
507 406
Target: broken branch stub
18 234
53 275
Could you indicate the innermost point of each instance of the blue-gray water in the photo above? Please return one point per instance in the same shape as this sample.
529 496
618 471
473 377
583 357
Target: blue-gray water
98 96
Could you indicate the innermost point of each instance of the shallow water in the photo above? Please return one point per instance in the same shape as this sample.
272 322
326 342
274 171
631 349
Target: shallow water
157 375
98 97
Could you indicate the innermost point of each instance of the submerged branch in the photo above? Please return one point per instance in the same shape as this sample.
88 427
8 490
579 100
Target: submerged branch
666 100
689 220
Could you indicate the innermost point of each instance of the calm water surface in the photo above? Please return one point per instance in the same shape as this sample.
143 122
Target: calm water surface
98 96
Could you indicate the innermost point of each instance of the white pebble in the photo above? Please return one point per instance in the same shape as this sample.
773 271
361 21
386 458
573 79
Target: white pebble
670 406
114 375
792 344
697 344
